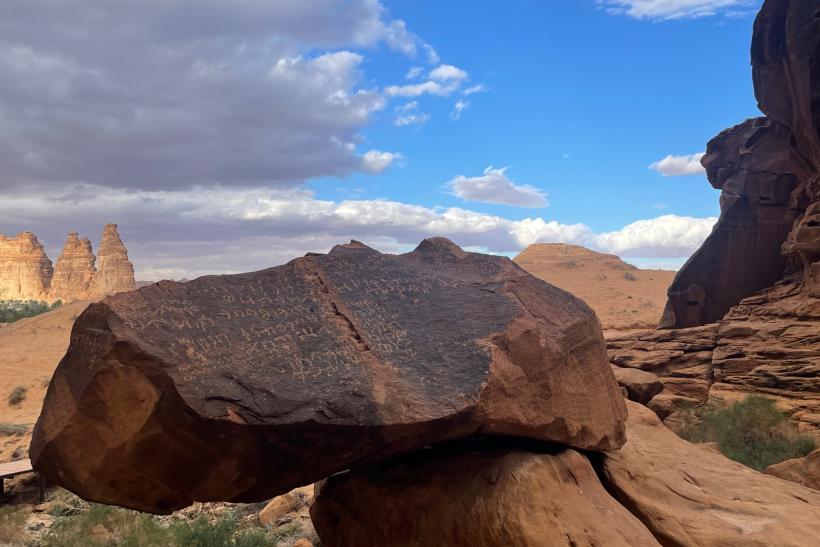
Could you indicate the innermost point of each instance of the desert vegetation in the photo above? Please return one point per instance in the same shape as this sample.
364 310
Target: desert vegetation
17 395
752 431
14 310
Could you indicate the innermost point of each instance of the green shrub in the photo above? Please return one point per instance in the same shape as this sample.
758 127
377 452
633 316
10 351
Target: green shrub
8 430
14 310
752 431
17 395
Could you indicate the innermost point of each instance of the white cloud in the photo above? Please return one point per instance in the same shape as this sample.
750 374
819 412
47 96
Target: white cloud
478 88
414 73
675 9
419 118
675 166
376 161
425 88
664 236
219 230
493 186
458 108
445 73
185 93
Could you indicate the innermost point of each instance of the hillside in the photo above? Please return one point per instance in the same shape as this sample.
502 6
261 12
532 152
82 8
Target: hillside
29 352
623 296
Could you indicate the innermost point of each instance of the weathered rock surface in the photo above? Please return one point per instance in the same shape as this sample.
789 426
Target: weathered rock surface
511 497
805 470
640 385
74 271
690 495
115 273
25 270
242 387
758 274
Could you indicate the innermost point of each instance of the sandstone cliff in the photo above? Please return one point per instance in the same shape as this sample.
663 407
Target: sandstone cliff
115 273
26 272
74 271
755 282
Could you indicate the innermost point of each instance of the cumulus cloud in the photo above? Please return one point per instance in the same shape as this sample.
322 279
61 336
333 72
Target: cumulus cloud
175 234
180 93
660 10
376 161
675 166
445 73
414 72
442 81
493 186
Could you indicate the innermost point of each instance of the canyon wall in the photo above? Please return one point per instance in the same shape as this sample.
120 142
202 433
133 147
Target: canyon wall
26 272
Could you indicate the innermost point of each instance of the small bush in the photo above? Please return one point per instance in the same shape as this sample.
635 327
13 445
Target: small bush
9 430
629 276
17 395
752 431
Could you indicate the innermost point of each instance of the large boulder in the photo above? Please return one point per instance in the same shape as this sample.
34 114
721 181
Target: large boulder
242 387
640 385
691 495
465 498
805 471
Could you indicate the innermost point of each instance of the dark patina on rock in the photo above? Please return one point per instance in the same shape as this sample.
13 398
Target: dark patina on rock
241 387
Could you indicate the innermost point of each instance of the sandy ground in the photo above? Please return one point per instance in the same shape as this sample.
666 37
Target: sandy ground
29 352
624 297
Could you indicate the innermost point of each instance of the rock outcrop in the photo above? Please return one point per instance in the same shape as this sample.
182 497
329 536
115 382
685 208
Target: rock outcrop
74 271
623 296
469 497
115 273
25 270
805 470
241 387
690 495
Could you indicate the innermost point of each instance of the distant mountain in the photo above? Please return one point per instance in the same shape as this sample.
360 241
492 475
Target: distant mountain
623 296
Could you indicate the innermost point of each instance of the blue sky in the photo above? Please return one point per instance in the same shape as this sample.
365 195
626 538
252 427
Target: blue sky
237 136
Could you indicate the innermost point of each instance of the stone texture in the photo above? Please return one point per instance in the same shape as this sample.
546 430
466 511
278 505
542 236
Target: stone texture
466 498
242 387
115 273
805 471
25 270
640 386
280 506
74 271
689 495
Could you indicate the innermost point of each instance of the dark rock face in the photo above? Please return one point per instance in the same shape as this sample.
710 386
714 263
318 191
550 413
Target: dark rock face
767 169
242 387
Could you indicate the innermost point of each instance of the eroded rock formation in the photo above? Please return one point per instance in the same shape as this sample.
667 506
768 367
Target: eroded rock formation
805 470
74 271
25 270
115 273
470 496
690 495
245 386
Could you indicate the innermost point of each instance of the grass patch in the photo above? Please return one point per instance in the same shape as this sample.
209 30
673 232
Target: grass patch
14 310
17 395
80 524
12 430
752 431
12 523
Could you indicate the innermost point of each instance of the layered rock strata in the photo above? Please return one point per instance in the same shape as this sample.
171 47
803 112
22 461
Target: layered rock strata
115 273
25 270
74 271
245 386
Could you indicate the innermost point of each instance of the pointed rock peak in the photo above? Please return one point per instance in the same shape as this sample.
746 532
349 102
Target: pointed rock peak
439 247
352 246
110 232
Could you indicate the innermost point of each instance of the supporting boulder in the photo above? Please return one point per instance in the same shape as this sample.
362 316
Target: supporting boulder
466 498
